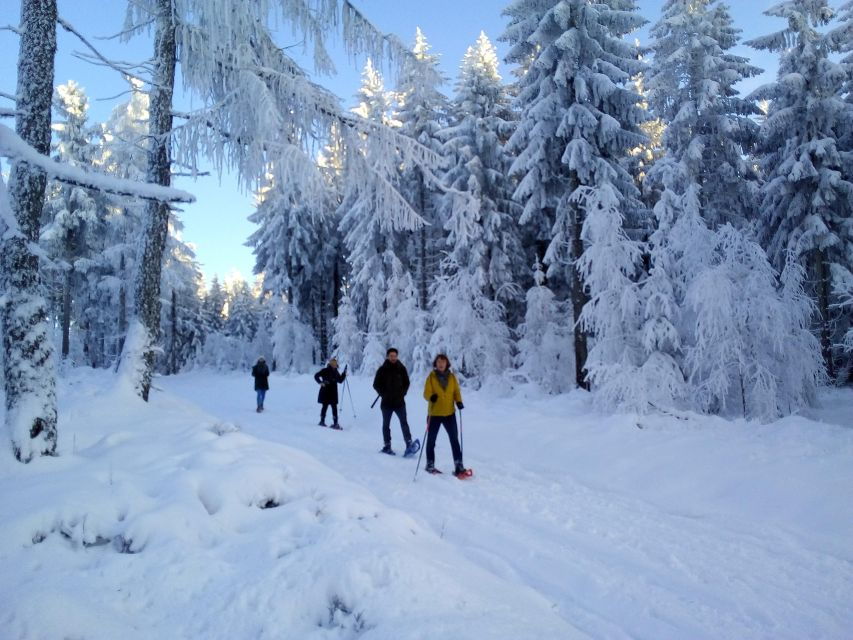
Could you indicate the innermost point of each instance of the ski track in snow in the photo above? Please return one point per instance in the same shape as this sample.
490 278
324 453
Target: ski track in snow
613 563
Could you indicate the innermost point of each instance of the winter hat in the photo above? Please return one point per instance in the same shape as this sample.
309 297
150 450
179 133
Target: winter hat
333 362
261 359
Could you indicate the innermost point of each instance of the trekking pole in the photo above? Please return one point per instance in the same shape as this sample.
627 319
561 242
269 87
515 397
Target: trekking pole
423 446
461 442
352 404
375 401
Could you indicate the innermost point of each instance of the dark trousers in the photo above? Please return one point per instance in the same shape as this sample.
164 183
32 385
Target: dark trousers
386 423
449 423
334 412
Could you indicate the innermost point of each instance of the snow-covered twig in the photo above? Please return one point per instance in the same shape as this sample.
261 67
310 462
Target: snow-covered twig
8 96
13 147
9 27
124 69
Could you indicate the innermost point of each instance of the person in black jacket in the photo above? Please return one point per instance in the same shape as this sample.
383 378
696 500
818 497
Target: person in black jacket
392 383
261 374
328 379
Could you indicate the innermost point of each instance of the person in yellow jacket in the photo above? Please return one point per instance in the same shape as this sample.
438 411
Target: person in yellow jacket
441 390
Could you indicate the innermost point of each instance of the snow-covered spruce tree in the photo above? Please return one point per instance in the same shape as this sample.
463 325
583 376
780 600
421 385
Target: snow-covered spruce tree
708 128
293 341
258 96
807 198
542 354
290 251
72 215
485 241
579 120
422 110
408 326
347 339
28 354
753 354
213 308
620 377
468 326
368 224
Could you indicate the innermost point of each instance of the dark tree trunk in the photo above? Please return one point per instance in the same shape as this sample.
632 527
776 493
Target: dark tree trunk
28 363
173 349
147 302
122 312
66 315
579 299
821 271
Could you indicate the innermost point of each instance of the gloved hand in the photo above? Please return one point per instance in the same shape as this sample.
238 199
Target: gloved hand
460 406
433 397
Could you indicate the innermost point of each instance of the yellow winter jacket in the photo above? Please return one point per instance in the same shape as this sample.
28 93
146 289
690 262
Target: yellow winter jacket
446 397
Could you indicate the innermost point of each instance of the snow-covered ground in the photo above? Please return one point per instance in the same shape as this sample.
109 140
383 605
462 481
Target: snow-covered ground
195 517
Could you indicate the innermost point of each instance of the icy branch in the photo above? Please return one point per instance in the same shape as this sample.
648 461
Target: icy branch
9 27
13 147
123 68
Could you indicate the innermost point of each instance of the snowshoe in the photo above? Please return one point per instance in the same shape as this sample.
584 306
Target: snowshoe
322 423
337 427
432 470
463 473
412 448
387 449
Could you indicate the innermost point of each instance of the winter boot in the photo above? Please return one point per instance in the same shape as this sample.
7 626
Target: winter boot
387 449
430 468
412 447
322 422
337 426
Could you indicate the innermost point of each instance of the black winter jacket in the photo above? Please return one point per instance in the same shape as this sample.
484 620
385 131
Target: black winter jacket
261 373
392 383
328 379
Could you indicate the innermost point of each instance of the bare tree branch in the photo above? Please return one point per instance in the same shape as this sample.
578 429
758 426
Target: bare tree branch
124 70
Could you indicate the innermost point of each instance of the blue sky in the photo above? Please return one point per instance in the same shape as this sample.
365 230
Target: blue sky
216 224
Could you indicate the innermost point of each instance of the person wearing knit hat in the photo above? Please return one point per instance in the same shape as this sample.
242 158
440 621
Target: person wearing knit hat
261 374
329 378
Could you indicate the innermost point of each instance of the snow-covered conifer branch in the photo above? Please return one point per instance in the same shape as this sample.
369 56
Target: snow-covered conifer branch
13 147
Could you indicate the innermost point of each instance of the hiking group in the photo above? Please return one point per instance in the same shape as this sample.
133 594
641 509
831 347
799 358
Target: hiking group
391 383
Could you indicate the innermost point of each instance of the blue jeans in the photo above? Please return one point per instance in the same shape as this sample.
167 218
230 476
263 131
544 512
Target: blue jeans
386 424
261 395
449 424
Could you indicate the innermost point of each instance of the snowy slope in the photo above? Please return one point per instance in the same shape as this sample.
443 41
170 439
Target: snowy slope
576 524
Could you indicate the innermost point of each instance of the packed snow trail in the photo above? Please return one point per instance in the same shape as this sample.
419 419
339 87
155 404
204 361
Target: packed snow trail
695 528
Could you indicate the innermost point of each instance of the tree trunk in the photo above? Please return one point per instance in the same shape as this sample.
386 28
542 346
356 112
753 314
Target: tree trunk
579 300
66 315
29 372
821 271
147 302
122 312
173 349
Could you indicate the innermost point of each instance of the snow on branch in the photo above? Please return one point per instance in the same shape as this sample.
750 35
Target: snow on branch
13 147
123 67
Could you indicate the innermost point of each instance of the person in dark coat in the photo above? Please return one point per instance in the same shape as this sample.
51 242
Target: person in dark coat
261 374
392 383
329 379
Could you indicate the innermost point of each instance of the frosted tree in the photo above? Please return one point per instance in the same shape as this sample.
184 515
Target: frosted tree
752 354
613 315
72 212
368 224
806 200
347 339
422 109
293 341
408 328
469 327
483 235
691 88
542 355
28 354
579 120
261 111
213 308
